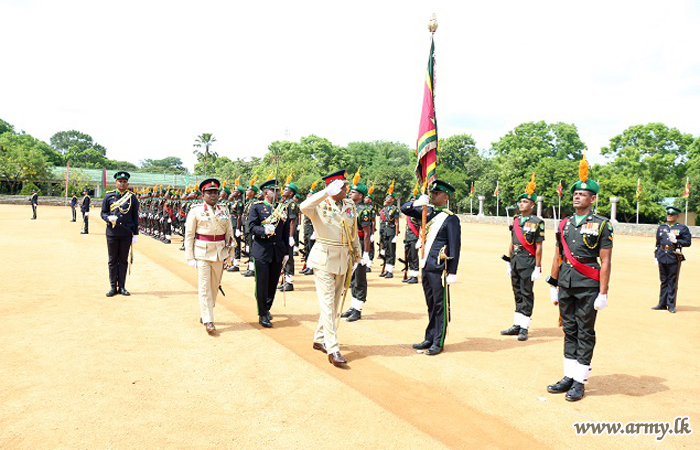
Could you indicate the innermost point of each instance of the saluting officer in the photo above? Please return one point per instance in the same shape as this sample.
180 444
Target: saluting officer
582 283
336 251
671 237
120 210
439 262
270 230
207 244
524 261
85 211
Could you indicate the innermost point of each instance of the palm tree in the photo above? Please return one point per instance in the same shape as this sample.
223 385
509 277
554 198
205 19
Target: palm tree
204 140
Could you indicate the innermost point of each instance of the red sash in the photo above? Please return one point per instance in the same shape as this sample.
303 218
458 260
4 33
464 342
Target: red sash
588 271
521 237
411 226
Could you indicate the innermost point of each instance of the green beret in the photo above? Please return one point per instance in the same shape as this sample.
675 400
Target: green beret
293 187
391 194
241 188
227 190
590 185
532 197
361 188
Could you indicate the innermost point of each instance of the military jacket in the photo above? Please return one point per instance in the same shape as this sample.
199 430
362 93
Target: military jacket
666 251
443 230
389 215
584 241
74 201
364 219
127 213
209 221
267 248
533 231
416 223
85 206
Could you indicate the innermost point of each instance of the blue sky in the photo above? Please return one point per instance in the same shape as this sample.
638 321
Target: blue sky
144 78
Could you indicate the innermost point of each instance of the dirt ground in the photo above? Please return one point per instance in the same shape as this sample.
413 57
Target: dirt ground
82 371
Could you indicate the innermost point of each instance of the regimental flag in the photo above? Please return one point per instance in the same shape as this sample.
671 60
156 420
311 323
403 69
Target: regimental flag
639 188
427 145
686 192
495 192
559 189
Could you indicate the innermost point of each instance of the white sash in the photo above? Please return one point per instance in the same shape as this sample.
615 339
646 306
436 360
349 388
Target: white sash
434 228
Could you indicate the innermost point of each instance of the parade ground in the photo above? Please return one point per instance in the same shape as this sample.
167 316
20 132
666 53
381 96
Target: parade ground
82 371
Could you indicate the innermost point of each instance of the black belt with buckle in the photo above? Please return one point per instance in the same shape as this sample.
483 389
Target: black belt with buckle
586 259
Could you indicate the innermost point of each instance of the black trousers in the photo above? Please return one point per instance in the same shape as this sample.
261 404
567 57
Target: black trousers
266 277
358 284
85 222
72 211
33 211
578 322
411 254
237 251
289 267
371 250
118 250
668 273
389 248
308 242
167 227
522 289
438 313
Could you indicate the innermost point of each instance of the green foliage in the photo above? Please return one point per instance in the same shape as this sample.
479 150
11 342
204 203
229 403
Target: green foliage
170 164
28 189
5 126
77 181
21 159
558 140
205 140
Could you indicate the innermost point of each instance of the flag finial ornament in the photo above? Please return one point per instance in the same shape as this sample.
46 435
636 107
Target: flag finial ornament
433 24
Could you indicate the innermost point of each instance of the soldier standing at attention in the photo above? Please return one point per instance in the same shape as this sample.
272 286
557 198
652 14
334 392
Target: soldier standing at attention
670 240
309 236
439 261
369 199
34 201
250 195
207 245
120 210
359 276
270 229
524 261
409 245
73 205
336 251
292 213
236 211
582 283
85 210
390 222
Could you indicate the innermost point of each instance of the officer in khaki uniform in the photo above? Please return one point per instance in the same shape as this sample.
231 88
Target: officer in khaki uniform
207 241
336 251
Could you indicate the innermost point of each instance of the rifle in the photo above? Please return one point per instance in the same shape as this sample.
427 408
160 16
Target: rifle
405 267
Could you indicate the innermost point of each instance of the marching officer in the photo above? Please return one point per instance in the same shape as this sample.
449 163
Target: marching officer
208 239
580 283
270 230
73 205
85 211
359 276
390 232
671 237
439 262
524 261
120 210
292 213
336 251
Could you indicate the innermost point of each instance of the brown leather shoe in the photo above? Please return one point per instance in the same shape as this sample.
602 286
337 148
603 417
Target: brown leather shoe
210 327
337 359
320 347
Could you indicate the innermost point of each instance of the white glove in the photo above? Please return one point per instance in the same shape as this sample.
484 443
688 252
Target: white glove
451 279
192 262
313 236
536 274
419 244
85 214
112 219
365 260
335 187
600 302
269 229
134 239
656 262
395 240
509 269
382 252
554 295
170 220
238 232
371 238
284 260
291 242
672 237
423 200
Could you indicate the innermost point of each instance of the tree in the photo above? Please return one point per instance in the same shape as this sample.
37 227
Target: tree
170 164
79 149
4 127
21 159
205 140
558 140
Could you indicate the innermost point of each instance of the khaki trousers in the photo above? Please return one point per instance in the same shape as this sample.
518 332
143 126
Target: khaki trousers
329 288
209 280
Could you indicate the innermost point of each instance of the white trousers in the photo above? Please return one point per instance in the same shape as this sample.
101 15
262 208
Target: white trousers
209 281
329 288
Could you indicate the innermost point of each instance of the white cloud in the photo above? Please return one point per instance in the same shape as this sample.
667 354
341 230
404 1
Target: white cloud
144 78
